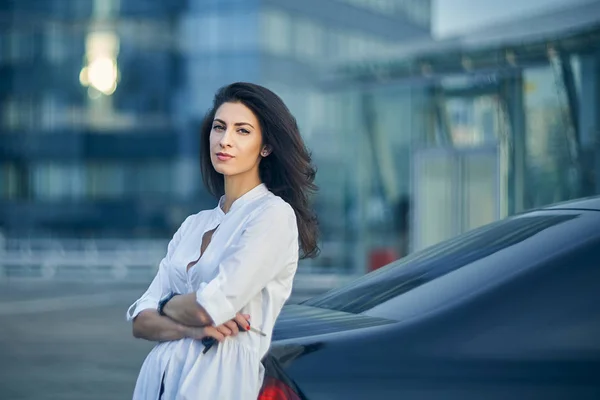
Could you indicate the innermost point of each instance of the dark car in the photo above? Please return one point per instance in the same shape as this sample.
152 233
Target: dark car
507 311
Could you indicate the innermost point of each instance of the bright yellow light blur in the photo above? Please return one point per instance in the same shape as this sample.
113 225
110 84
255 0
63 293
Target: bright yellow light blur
102 75
100 72
83 77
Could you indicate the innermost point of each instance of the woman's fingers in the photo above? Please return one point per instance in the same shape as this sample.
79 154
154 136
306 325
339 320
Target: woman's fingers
224 330
209 331
233 326
243 320
213 332
229 328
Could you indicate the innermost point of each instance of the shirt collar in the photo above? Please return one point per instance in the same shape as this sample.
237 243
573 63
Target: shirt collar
252 194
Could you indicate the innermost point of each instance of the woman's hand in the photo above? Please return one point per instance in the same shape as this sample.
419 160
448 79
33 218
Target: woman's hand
230 328
198 333
185 310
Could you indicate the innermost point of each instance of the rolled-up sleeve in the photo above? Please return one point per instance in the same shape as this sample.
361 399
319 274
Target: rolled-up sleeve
160 285
268 245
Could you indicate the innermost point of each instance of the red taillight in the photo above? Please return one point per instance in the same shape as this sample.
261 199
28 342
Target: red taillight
274 389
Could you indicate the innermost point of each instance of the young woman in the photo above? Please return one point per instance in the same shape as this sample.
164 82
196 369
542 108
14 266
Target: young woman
228 271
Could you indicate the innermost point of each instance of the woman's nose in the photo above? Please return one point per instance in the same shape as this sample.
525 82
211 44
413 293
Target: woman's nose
225 139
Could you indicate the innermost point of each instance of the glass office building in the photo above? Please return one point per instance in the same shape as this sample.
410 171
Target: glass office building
100 101
472 129
89 140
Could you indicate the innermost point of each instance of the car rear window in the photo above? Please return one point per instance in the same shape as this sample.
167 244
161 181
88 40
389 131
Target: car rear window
297 320
431 263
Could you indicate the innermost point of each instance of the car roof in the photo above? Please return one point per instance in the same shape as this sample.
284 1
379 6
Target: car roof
524 237
588 203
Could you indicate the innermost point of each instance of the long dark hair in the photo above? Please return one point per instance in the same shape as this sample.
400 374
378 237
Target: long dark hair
287 171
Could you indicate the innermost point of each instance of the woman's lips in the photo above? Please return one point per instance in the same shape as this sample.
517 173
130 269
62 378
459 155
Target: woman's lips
224 157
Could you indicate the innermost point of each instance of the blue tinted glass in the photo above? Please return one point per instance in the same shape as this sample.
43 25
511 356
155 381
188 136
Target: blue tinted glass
424 266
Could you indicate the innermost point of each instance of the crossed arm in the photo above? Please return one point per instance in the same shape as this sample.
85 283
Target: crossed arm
268 246
185 318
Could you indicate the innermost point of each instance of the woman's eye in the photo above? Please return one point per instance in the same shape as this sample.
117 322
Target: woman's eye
244 131
218 127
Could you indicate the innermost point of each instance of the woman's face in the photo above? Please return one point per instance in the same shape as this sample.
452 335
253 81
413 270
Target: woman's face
235 140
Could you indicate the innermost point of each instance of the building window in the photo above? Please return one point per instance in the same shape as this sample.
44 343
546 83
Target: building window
9 181
56 43
112 180
243 33
106 9
105 180
18 114
418 11
548 156
217 32
4 50
147 34
308 40
152 178
336 44
20 46
276 32
51 113
54 181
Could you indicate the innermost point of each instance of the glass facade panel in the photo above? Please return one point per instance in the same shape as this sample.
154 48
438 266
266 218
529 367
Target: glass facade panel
10 184
55 181
316 42
151 178
418 11
208 33
56 43
374 132
550 170
106 180
110 180
434 193
480 190
473 120
21 45
276 32
308 40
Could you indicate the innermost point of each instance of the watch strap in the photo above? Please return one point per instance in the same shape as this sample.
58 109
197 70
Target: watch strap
163 302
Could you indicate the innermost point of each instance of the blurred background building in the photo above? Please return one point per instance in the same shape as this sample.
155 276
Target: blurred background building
416 138
91 132
475 127
101 100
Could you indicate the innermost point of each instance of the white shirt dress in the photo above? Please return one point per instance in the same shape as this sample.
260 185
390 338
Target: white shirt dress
248 267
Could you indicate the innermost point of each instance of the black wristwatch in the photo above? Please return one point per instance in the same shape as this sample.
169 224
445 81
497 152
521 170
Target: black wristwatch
163 302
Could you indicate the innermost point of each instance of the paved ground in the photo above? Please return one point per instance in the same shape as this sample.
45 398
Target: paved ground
68 341
77 351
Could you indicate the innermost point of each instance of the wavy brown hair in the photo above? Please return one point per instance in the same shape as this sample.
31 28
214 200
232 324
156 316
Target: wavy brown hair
287 171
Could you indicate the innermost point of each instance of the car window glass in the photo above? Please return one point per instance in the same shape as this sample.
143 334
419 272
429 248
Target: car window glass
424 266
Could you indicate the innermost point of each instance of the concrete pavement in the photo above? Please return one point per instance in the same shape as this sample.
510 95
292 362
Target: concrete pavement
82 352
70 341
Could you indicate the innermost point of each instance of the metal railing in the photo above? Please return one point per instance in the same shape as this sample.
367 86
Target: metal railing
113 260
80 259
